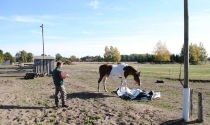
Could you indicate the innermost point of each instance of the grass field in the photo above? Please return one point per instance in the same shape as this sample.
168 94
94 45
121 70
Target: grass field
196 72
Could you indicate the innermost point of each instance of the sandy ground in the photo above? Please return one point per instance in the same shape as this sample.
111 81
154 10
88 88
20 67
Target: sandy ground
29 102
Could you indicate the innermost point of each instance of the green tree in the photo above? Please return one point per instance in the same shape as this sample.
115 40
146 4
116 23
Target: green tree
107 54
182 54
117 56
17 56
23 56
13 59
204 55
161 52
73 58
58 57
29 57
112 54
8 56
1 56
194 53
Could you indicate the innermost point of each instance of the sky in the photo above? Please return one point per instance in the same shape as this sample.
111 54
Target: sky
86 27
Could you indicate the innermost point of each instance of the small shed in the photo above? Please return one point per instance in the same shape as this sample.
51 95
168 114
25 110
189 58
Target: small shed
44 66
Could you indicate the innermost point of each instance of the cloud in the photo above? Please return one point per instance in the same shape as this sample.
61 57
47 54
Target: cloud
94 4
87 32
27 19
35 32
4 18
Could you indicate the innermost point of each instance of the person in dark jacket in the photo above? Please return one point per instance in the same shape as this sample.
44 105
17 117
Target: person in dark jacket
58 79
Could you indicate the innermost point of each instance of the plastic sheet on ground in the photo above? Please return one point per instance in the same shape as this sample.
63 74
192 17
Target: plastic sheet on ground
137 94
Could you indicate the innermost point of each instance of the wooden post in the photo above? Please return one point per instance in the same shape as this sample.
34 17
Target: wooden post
200 107
186 45
169 73
191 104
42 26
186 91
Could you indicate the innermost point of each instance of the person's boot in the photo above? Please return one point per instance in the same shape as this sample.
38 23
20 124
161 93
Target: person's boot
65 106
56 104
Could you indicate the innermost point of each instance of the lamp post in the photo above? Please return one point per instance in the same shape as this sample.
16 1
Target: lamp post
42 26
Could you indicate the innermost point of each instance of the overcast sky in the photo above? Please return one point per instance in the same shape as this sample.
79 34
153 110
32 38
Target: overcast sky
85 27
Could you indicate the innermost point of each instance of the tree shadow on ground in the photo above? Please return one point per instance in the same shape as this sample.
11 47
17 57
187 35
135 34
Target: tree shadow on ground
22 107
85 95
179 122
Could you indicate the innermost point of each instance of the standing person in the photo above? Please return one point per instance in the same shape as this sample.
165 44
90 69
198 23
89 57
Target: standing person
58 78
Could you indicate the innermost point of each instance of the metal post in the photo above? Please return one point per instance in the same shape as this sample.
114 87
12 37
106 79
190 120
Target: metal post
42 26
186 90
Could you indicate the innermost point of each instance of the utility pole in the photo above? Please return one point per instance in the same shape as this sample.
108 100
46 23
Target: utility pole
186 45
186 91
42 26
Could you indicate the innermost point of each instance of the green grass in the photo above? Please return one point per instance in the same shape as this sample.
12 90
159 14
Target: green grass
89 119
196 72
19 118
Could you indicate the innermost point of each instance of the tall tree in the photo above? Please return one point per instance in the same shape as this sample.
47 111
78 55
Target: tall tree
112 54
8 56
17 56
161 52
29 57
117 56
1 56
107 54
204 54
182 54
23 56
58 57
194 53
73 58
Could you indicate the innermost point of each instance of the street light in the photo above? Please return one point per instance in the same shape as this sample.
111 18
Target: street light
42 26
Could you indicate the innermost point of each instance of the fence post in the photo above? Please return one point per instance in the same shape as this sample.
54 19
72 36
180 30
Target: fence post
169 73
191 104
200 107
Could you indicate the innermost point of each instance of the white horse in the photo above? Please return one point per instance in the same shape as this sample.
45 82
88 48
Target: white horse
117 71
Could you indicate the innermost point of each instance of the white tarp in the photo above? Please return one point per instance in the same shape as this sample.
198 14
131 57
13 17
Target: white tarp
133 94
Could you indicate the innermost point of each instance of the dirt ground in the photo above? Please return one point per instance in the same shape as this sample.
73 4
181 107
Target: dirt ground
32 101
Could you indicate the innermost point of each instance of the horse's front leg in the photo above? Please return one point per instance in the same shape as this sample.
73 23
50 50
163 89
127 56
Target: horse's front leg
104 81
99 80
121 84
123 81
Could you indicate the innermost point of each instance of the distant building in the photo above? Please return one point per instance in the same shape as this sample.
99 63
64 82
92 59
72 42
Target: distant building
45 66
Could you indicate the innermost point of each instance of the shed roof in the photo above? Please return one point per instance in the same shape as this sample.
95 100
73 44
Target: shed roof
45 57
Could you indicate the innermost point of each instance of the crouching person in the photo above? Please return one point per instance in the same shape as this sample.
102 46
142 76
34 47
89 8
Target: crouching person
58 79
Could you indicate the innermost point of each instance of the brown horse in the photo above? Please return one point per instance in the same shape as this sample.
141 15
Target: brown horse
117 71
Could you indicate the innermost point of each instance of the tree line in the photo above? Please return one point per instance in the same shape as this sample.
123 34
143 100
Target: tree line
21 56
6 56
197 53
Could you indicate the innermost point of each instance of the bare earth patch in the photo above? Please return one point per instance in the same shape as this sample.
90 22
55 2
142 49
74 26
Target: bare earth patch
32 101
